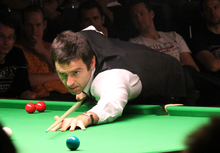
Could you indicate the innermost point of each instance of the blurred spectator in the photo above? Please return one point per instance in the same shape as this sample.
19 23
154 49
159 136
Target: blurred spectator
14 81
185 16
172 44
44 80
206 46
61 15
16 17
5 142
205 139
118 15
50 7
90 12
169 43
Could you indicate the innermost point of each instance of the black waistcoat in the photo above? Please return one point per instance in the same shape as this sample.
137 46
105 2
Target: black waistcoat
161 75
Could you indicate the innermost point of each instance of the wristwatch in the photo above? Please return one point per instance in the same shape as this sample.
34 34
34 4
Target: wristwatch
90 115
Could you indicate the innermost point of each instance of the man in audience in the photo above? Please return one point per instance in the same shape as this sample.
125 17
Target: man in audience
169 43
14 81
206 46
90 12
44 80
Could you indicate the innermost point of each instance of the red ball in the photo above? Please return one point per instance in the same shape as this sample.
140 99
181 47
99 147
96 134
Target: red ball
41 106
30 107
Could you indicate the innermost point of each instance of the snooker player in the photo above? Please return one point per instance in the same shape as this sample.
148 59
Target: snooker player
115 72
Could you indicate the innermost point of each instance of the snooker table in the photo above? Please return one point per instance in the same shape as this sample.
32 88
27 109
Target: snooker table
141 129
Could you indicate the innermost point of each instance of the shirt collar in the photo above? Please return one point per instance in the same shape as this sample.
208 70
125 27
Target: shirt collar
87 88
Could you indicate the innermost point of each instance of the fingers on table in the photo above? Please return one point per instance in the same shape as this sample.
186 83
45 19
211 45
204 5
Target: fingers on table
66 125
75 124
58 126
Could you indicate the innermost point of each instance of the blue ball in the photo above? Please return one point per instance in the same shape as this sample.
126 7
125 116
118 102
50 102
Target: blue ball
72 143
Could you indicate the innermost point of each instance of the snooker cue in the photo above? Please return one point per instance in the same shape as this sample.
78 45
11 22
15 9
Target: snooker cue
69 111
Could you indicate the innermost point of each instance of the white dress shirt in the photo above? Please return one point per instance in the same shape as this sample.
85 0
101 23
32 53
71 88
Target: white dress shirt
112 89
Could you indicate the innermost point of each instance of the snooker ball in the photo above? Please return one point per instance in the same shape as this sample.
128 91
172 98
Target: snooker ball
41 106
8 131
30 107
72 143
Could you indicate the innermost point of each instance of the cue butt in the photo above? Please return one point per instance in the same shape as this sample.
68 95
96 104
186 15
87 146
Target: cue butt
69 111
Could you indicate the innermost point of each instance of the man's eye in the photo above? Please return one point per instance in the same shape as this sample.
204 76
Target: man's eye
62 74
76 72
207 9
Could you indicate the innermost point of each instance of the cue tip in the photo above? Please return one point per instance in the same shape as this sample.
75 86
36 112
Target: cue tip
46 131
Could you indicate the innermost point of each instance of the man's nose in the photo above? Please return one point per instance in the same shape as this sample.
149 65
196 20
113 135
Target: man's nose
70 80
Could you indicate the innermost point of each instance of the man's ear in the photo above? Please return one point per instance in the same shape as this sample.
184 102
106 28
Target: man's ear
93 62
152 14
103 19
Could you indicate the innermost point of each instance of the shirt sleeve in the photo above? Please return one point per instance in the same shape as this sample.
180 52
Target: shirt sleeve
112 89
181 43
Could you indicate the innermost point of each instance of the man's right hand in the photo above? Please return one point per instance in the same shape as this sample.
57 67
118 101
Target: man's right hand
80 96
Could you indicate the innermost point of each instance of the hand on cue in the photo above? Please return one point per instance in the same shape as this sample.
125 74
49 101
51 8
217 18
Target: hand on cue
72 109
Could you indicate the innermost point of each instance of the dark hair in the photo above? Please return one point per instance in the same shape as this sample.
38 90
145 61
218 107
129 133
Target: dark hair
87 5
7 20
206 138
69 46
32 8
6 144
201 5
146 3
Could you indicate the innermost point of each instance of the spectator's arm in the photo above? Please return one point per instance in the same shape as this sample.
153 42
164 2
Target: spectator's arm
186 59
209 60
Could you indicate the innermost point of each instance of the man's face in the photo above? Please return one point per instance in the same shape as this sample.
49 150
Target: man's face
7 39
92 17
34 25
141 17
211 12
75 76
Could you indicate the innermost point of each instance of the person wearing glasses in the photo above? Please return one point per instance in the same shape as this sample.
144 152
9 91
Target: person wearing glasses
44 80
14 81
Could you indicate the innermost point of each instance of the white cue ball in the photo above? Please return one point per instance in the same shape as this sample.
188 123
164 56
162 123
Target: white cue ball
8 131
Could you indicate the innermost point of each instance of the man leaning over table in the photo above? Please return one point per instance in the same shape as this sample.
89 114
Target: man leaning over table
115 73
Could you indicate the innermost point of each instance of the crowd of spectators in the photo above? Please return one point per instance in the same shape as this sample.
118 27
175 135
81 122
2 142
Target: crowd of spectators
179 22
